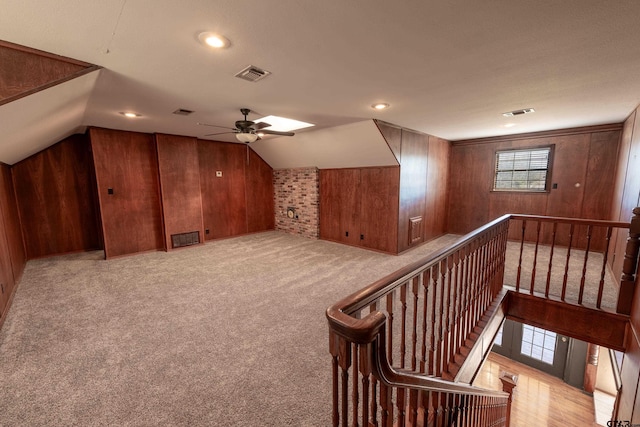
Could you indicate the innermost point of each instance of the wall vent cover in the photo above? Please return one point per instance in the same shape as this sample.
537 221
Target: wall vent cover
252 74
185 239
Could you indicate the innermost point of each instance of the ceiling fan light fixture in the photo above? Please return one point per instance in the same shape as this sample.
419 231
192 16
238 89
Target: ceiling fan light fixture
213 40
246 137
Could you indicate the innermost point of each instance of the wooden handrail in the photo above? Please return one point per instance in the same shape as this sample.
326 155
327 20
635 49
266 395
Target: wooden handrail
365 296
396 342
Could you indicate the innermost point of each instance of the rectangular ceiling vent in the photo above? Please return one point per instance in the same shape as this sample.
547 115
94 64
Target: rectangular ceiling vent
182 112
252 74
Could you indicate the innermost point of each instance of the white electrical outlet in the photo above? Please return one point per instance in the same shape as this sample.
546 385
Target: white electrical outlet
218 174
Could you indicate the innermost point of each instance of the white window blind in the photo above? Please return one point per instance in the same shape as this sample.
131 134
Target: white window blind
522 170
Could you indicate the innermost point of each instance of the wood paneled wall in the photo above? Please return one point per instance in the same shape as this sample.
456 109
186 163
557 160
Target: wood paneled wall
126 165
626 196
12 255
259 194
56 199
424 166
25 70
223 197
180 186
582 168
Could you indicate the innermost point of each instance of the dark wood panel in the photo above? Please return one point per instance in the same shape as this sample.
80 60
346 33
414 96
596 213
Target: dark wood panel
586 324
569 169
518 203
259 199
56 200
413 184
25 71
131 217
12 223
340 205
180 186
6 274
379 190
393 135
437 186
223 198
629 375
470 181
618 240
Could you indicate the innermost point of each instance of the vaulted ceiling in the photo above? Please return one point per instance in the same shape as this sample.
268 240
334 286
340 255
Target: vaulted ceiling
447 68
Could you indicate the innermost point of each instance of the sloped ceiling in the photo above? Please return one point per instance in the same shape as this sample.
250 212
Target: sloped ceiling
354 145
31 124
449 69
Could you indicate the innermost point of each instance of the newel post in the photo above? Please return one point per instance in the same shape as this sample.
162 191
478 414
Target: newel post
509 382
629 266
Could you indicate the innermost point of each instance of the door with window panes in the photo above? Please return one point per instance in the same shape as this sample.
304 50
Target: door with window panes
536 347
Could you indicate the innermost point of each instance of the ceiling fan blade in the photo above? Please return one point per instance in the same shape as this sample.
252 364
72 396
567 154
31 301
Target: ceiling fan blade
215 126
220 133
261 125
275 132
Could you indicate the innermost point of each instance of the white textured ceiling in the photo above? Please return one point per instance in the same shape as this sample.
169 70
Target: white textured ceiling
448 68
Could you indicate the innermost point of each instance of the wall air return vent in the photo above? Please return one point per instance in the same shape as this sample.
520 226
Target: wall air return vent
185 239
252 74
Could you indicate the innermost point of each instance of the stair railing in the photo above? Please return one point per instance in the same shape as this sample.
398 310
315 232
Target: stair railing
393 342
396 338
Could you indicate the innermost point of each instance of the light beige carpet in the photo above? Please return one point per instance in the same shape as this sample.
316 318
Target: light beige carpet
231 333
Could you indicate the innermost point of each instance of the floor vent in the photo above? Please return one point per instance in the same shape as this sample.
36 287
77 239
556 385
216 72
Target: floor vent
185 239
252 74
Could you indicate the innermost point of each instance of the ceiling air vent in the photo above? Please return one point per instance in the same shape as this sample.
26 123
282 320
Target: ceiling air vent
252 74
519 112
182 112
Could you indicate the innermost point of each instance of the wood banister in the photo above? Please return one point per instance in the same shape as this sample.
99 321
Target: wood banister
630 265
398 343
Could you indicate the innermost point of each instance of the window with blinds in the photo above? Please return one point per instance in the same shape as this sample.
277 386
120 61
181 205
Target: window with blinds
522 170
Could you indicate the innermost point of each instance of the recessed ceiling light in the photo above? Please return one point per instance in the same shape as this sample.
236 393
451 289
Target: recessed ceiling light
213 40
282 124
509 125
518 112
380 106
130 114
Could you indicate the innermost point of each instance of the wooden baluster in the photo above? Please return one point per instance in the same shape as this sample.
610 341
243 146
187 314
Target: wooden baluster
454 308
584 265
390 328
603 271
355 396
566 266
439 410
467 293
461 301
365 372
432 341
386 411
413 408
629 265
400 405
524 228
535 259
426 281
374 404
443 279
427 404
414 333
446 330
403 324
344 350
553 245
334 350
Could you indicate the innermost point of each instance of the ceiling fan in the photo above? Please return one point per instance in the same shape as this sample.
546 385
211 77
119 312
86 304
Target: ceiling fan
246 130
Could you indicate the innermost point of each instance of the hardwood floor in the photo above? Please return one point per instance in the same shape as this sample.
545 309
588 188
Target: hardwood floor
539 399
